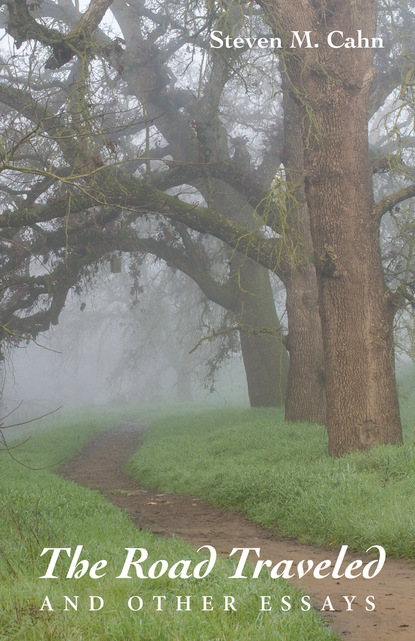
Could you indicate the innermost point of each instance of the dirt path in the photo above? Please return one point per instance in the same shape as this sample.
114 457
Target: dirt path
99 467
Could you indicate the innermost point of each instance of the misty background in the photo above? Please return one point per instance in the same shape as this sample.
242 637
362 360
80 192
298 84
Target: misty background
120 342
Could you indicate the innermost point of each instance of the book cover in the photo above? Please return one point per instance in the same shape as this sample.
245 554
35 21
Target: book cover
207 294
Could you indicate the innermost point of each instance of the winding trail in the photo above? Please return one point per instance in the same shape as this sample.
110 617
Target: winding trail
99 467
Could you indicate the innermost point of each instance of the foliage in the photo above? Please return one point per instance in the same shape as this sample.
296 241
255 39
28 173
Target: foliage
39 510
134 135
281 477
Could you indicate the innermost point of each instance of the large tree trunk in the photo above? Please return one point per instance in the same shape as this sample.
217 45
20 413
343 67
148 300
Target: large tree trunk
264 355
332 90
362 403
306 397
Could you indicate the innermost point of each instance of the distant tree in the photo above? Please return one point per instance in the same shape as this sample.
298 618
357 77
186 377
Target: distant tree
249 293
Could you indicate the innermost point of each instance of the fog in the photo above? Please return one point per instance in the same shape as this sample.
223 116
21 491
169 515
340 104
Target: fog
148 182
115 346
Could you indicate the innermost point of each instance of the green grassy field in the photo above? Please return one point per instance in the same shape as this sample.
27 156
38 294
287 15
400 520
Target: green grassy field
281 477
39 510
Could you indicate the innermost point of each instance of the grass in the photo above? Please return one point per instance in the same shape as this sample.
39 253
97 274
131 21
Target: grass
281 477
39 510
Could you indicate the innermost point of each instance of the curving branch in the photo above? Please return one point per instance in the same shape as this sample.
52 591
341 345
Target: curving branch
387 203
22 26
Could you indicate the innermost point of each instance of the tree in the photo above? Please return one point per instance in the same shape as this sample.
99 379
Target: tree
268 362
332 88
93 194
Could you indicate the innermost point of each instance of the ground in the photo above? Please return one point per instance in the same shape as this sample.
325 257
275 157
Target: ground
99 467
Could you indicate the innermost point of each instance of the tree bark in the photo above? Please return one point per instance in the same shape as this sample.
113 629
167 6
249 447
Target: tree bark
306 396
264 354
332 91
